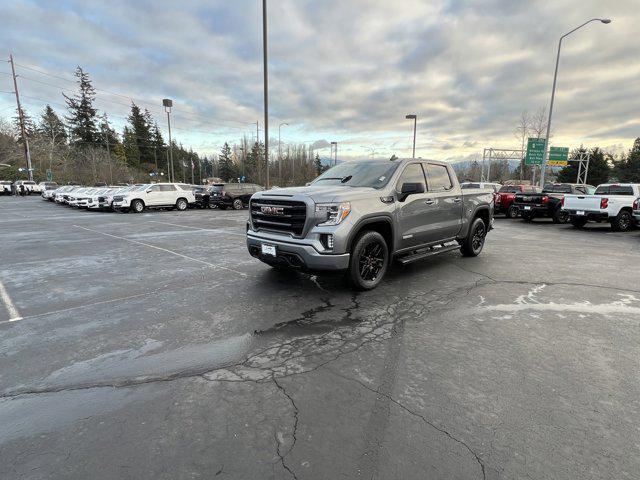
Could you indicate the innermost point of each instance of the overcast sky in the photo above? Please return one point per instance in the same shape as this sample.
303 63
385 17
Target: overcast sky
339 70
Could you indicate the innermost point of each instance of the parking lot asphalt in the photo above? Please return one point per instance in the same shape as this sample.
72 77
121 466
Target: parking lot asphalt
152 346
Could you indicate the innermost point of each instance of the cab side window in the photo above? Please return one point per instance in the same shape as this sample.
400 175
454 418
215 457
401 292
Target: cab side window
438 178
413 173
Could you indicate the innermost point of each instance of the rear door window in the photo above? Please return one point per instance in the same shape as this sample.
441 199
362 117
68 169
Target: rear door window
168 188
438 178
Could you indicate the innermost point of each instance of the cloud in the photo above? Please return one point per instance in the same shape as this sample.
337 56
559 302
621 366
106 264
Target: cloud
339 71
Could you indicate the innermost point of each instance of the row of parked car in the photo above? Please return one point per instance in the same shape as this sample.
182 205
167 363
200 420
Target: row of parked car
27 187
137 198
615 203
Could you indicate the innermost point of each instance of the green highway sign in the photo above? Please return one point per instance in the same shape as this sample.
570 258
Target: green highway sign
49 175
535 151
558 156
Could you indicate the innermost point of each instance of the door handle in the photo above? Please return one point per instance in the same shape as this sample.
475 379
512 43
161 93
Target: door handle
429 201
456 200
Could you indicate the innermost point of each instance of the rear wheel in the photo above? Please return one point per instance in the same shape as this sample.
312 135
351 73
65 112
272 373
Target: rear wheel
237 204
473 244
578 222
369 261
560 216
137 206
181 204
512 212
622 222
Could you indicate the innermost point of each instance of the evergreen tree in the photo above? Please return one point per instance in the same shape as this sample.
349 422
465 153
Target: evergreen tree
108 135
317 164
599 169
82 114
628 169
225 164
157 142
130 144
30 129
141 133
51 127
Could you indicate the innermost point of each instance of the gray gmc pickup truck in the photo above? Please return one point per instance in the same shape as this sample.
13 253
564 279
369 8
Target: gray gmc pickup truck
359 215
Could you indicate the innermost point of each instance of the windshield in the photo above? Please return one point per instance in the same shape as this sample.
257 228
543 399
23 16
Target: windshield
358 174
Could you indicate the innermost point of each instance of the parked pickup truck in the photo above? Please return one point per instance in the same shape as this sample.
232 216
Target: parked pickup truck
358 216
612 202
548 203
636 210
506 197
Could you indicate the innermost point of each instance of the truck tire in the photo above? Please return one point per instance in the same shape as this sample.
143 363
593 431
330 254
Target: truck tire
526 216
369 260
137 206
560 216
622 222
578 222
472 245
512 212
237 204
181 204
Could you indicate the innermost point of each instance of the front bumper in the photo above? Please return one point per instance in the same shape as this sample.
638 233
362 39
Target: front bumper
292 254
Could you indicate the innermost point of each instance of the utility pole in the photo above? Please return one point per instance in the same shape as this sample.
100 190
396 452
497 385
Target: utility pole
333 144
413 117
266 87
27 154
106 140
280 154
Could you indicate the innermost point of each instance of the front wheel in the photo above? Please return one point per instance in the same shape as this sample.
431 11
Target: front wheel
181 204
512 212
237 204
473 244
369 261
622 222
137 206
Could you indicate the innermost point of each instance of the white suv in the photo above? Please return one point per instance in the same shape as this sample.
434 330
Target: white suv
157 195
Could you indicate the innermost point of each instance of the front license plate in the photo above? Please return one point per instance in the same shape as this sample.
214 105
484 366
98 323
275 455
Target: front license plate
527 208
580 212
268 249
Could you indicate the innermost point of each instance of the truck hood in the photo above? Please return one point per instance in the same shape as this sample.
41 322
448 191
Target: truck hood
323 193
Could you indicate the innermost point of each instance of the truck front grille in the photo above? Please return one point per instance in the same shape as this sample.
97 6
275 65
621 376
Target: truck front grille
286 216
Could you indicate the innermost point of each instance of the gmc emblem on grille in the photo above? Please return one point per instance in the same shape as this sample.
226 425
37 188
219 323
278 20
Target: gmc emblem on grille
272 210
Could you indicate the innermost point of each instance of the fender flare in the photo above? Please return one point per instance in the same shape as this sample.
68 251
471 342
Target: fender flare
368 220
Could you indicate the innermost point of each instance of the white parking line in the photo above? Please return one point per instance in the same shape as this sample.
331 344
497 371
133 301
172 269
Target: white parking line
14 315
163 250
215 230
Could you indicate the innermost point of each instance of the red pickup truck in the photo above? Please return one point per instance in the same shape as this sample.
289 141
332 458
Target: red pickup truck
507 195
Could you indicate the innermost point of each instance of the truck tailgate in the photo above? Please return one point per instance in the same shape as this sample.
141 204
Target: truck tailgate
582 202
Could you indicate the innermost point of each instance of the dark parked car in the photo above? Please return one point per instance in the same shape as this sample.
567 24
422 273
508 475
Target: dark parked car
549 203
506 196
236 195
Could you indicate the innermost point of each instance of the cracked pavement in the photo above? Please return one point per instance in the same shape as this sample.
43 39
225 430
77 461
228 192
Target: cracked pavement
131 362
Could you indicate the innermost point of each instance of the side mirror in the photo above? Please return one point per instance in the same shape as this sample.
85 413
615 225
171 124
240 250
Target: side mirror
149 191
410 189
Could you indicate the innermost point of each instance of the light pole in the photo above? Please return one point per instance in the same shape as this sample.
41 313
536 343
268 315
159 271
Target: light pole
415 123
280 153
334 148
168 103
266 87
545 158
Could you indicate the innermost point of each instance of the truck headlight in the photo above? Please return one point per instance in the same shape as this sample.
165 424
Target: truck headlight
336 212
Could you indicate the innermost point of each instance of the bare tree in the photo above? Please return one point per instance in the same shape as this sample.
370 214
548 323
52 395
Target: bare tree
522 131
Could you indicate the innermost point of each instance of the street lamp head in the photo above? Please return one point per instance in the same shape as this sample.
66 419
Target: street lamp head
605 20
410 117
334 143
167 102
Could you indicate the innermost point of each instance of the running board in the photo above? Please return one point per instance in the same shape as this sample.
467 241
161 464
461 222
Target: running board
428 252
